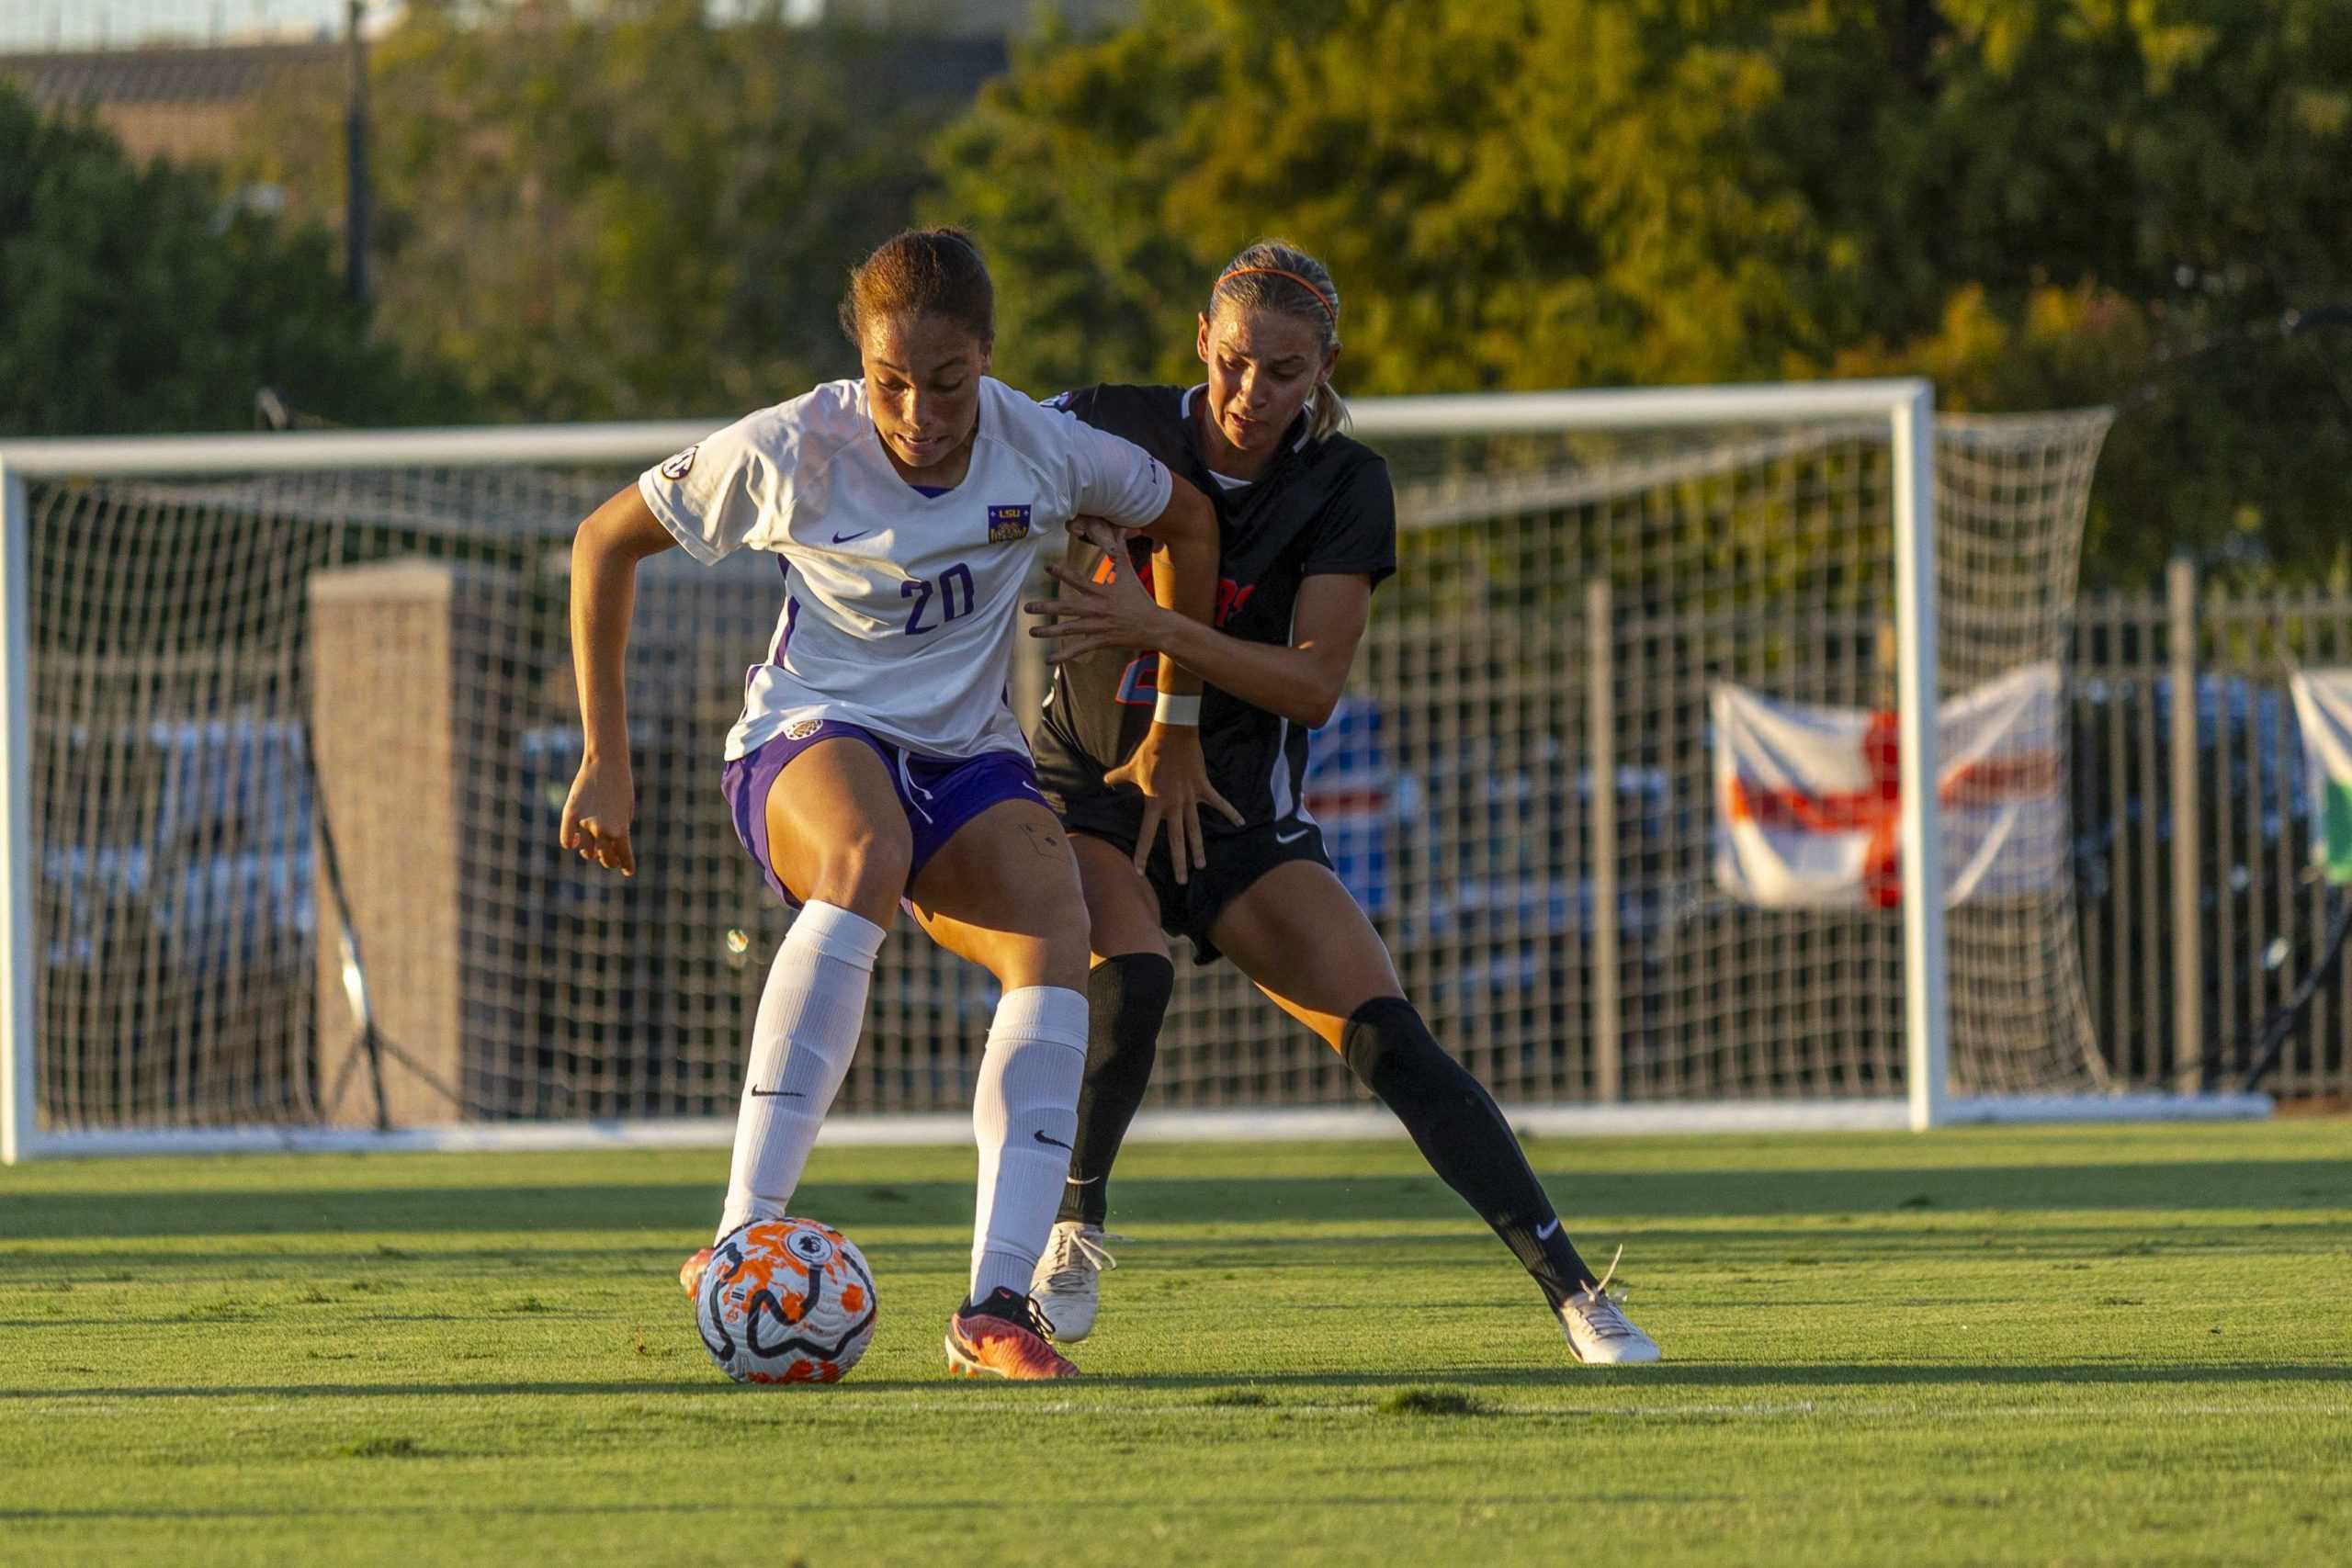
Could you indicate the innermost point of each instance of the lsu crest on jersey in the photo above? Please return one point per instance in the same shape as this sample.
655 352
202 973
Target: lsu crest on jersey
1008 525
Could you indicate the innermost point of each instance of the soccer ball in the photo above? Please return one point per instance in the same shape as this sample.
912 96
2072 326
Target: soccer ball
786 1301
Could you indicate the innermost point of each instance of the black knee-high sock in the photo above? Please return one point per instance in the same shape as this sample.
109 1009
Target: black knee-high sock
1463 1135
1126 997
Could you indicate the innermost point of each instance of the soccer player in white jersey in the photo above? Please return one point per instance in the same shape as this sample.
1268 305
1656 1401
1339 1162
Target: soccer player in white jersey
877 756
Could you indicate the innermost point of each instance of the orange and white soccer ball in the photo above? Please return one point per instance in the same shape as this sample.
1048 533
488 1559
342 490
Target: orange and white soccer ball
786 1301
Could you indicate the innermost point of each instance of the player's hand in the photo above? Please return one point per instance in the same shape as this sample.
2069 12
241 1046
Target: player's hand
1173 775
597 813
1089 615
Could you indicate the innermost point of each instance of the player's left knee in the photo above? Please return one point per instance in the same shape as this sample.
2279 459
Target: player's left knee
1053 958
1387 1045
1074 935
1068 939
1383 1027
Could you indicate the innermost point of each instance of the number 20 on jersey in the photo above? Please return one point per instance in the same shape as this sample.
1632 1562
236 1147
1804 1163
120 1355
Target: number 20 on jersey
953 590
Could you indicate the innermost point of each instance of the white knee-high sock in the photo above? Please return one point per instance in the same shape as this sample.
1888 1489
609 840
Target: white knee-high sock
802 1038
1024 1118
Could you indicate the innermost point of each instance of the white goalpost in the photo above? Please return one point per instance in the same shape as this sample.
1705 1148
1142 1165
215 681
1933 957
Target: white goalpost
286 728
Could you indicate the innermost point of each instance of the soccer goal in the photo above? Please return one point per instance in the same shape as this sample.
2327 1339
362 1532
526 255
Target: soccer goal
1704 765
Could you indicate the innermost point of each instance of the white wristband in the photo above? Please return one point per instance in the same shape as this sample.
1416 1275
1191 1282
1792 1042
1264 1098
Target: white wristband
1172 708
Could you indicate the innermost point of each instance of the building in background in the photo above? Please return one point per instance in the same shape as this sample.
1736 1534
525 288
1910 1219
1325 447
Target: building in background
173 79
55 27
967 18
178 102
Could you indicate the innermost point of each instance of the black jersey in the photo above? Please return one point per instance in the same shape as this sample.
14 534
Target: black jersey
1320 507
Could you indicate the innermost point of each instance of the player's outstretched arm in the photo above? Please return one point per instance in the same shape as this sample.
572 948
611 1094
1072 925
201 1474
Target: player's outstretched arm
604 553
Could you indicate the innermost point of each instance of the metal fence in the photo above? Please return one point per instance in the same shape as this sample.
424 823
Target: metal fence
1482 756
2199 905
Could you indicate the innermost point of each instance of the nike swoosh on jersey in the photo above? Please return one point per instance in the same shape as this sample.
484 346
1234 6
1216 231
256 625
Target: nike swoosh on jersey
845 538
1290 838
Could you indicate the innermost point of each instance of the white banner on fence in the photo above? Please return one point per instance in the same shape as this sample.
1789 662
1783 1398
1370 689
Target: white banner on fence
1808 799
2324 714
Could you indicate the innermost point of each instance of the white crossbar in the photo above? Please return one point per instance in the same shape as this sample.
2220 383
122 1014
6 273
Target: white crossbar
489 446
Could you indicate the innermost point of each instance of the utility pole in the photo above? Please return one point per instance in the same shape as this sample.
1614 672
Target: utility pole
355 127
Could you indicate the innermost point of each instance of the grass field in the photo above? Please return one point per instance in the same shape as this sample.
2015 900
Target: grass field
2116 1345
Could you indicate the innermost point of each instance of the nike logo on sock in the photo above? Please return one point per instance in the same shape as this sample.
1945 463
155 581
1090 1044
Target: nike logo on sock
1078 1180
772 1093
1043 1139
1548 1231
845 538
1290 838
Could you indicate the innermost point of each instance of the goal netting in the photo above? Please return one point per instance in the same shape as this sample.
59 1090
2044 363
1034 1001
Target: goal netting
298 739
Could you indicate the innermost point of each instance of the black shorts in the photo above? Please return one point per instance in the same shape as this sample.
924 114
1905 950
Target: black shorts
1237 857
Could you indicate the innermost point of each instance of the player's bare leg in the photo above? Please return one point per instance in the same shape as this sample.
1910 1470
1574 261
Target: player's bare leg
1301 939
1004 892
1126 992
835 833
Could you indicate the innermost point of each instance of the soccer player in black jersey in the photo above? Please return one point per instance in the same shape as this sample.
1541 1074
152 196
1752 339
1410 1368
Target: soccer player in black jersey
1308 526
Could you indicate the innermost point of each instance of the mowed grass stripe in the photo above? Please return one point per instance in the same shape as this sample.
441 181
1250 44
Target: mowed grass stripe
2033 1346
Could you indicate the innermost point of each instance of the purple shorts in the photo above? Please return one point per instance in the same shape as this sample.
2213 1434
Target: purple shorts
938 794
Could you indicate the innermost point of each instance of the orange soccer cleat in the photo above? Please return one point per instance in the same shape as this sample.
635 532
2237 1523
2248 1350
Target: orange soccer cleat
1004 1337
690 1272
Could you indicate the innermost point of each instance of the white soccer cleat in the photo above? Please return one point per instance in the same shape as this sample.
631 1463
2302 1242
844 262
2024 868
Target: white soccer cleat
1067 1286
1599 1334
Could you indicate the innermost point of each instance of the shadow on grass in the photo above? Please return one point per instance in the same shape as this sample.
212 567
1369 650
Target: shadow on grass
253 1281
1634 1197
256 1273
1145 1503
1551 1380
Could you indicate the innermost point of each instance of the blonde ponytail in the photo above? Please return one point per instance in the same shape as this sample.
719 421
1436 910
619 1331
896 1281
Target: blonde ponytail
1327 414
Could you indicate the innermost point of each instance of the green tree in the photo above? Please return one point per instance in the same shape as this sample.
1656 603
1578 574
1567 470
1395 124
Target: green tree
2043 200
1512 196
2125 203
618 209
144 299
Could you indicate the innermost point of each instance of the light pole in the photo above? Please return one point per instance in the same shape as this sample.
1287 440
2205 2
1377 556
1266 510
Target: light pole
355 127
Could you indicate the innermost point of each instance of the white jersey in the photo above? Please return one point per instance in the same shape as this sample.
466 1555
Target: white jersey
899 608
